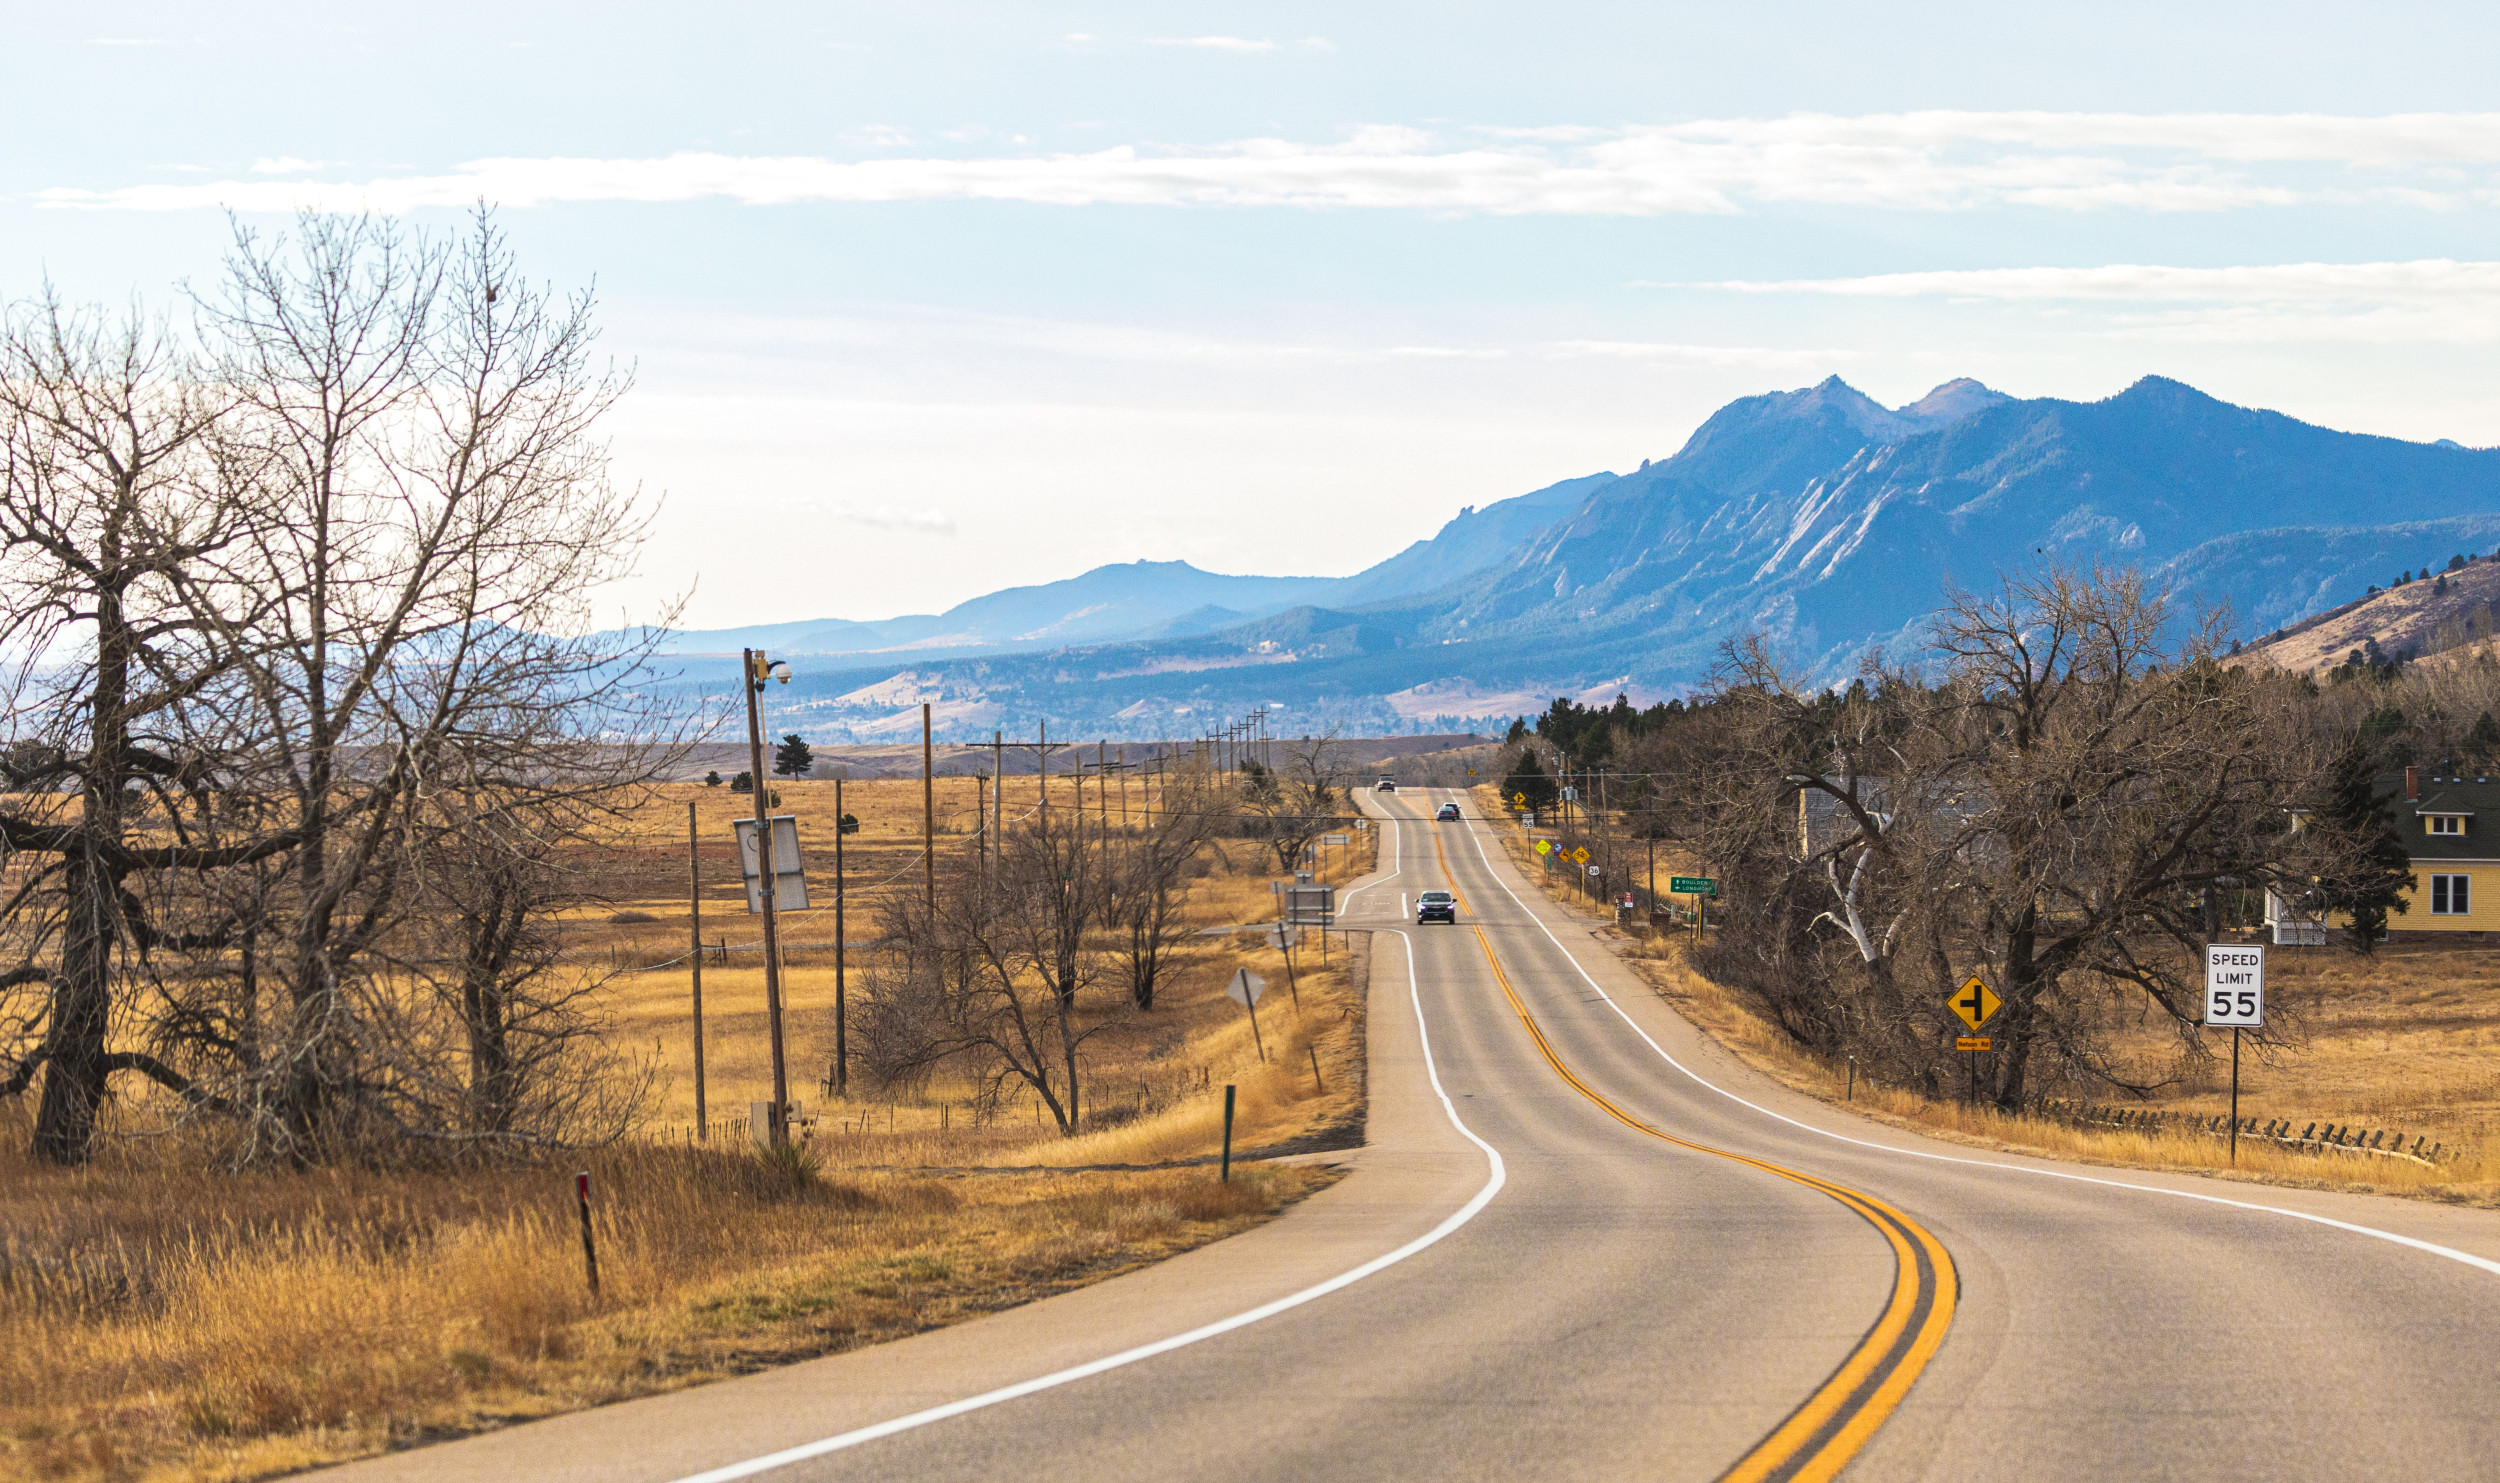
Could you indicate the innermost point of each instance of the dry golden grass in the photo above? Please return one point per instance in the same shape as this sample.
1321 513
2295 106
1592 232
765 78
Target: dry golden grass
164 1321
161 1318
2403 1040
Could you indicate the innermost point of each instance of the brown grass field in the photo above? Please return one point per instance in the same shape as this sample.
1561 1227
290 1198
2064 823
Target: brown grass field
163 1318
2403 1040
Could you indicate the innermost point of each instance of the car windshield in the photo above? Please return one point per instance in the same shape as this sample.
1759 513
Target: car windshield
1436 898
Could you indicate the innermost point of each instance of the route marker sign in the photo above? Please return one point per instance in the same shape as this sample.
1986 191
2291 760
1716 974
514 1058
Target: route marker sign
1596 869
1692 885
1973 1042
1974 1002
2235 985
1544 846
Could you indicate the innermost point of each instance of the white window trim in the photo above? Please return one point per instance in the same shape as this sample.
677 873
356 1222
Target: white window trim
2445 887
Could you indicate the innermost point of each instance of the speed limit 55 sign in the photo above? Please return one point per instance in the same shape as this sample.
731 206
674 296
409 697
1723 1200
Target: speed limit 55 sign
2235 985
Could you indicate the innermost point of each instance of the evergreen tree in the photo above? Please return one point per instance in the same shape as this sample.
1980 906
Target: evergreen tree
1518 731
792 758
1529 779
742 783
2482 744
2380 872
711 780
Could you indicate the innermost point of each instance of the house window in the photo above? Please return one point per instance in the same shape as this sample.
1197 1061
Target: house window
2447 824
2451 895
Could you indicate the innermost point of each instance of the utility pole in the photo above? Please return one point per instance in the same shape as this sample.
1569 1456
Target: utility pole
694 906
841 1006
998 784
759 672
928 809
1102 784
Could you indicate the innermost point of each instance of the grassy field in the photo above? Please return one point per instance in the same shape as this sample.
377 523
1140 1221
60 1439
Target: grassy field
2408 1040
162 1318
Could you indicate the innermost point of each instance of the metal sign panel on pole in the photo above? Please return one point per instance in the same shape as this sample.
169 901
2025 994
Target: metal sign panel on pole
789 871
2235 995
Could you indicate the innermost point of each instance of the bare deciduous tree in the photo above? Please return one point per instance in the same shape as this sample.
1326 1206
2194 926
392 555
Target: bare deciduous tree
2055 811
281 597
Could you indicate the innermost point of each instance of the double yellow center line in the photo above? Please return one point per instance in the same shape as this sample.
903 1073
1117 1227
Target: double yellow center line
1843 1414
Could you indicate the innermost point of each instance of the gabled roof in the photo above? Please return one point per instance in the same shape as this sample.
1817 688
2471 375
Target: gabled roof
2475 799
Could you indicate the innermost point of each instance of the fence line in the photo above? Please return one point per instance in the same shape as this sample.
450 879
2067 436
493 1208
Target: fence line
2315 1137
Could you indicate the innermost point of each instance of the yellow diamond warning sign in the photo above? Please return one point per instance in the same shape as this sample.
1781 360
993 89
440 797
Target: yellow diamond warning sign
1974 1001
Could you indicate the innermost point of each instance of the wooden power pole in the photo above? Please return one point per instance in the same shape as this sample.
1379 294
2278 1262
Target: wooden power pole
694 907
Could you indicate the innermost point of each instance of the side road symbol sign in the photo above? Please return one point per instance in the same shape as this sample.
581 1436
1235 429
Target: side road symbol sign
1974 1002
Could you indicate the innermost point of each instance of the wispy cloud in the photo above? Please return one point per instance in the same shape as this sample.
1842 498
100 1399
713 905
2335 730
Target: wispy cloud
1215 43
130 41
1940 161
285 165
2431 300
921 522
2427 279
877 136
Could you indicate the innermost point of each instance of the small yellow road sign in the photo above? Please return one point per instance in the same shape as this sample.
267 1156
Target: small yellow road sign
1580 856
1973 1042
1519 798
1544 846
1974 1002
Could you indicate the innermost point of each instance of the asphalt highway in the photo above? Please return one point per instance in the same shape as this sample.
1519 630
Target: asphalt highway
1585 1243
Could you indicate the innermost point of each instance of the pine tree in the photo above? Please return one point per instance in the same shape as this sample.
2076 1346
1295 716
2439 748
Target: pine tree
742 783
711 780
792 758
2482 744
2380 872
1529 780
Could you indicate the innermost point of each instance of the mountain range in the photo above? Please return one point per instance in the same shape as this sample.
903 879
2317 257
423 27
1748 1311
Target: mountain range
1819 517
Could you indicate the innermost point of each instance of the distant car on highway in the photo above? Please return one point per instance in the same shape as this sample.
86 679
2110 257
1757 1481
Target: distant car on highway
1436 906
1385 785
1446 812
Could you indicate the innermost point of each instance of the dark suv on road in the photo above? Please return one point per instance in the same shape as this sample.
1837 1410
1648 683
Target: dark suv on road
1436 906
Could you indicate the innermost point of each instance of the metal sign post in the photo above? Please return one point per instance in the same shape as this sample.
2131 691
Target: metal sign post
1697 887
1244 990
1974 1003
2235 995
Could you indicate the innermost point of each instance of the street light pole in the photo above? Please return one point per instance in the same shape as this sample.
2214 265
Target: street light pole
759 672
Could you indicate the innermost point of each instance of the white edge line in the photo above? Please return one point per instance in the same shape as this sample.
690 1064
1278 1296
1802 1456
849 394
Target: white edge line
1498 1176
2451 1253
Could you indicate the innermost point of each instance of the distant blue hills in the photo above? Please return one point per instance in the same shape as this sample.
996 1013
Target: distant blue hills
1818 516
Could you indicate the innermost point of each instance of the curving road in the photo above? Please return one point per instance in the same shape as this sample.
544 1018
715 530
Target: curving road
1585 1243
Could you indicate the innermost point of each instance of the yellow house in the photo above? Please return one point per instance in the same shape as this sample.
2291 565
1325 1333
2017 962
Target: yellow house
2451 829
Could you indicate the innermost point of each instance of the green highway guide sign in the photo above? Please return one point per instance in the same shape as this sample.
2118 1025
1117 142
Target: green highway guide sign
1692 885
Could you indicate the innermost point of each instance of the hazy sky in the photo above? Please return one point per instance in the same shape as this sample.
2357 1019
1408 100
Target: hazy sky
929 299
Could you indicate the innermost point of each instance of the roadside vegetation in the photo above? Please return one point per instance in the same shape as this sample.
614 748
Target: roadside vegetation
343 920
164 1310
2069 806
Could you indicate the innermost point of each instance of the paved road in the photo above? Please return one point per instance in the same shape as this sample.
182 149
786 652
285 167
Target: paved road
1587 1244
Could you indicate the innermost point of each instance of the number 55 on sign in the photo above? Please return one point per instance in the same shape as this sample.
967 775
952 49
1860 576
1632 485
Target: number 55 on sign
2235 985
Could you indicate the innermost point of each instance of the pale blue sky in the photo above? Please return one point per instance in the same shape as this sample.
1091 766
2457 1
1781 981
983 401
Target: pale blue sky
927 300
